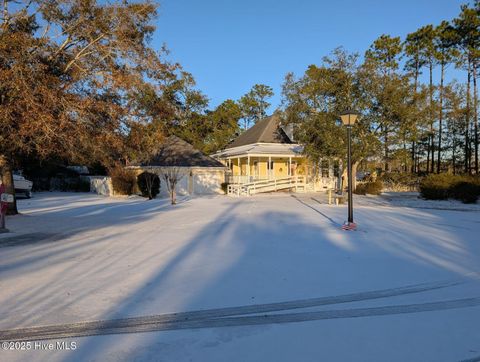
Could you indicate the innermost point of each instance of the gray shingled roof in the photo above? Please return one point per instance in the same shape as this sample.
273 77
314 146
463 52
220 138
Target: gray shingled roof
177 152
267 130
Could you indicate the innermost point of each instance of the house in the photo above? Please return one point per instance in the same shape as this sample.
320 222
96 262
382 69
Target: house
200 174
266 152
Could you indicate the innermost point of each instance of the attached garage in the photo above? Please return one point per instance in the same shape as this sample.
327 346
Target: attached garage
208 181
200 174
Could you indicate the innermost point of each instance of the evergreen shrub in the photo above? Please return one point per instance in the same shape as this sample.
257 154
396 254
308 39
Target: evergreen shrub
444 186
149 184
123 180
370 187
224 187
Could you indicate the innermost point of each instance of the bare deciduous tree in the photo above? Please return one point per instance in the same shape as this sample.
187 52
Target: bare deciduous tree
172 176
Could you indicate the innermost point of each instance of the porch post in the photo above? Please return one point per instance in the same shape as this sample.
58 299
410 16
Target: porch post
239 167
290 166
248 167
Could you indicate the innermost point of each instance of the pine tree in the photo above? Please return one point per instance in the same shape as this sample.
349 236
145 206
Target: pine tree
444 42
414 64
384 55
467 26
254 104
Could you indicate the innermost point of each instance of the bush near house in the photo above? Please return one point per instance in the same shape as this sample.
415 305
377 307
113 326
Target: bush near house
360 189
369 187
396 181
123 180
224 186
149 184
444 186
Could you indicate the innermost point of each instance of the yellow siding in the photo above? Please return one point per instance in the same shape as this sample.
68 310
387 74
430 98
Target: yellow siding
262 168
280 167
244 166
235 170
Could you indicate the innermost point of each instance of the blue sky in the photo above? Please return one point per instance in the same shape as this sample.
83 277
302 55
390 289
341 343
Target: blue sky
230 45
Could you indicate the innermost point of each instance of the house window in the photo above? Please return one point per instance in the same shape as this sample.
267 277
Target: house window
325 171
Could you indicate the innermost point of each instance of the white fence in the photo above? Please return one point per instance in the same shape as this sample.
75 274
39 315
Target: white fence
101 185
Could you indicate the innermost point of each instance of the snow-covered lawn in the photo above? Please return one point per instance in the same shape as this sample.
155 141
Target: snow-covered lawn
79 257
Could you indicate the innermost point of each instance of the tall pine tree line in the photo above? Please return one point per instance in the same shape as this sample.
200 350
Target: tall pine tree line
423 123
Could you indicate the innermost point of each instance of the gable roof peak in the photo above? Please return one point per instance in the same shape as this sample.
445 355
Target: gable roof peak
266 130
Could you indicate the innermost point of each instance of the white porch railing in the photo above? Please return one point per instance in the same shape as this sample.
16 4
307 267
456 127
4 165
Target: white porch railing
239 179
247 189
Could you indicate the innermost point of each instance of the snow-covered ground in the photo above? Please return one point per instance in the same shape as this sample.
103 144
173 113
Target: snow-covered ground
79 257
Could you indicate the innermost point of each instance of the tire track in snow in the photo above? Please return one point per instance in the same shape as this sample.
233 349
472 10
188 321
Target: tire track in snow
264 319
196 318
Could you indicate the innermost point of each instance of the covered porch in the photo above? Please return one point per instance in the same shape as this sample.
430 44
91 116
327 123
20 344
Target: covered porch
282 162
249 168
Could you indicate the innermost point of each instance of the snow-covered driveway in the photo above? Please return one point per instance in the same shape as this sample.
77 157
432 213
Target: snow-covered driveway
79 257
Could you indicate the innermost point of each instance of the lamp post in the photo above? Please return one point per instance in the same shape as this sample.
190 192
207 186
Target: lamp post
348 118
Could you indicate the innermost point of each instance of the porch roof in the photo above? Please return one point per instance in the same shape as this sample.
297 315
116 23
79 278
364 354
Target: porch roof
266 149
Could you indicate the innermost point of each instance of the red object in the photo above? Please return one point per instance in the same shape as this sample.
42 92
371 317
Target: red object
349 226
3 205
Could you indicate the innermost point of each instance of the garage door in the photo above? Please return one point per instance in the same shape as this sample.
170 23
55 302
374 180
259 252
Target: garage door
207 183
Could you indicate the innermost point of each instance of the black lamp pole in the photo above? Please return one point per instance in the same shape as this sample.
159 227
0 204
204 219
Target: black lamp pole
349 118
349 174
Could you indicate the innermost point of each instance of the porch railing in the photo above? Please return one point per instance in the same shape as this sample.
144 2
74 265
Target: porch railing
239 179
293 182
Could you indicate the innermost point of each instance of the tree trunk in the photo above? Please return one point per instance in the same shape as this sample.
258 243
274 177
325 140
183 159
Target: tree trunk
387 165
432 146
7 180
440 118
467 122
428 154
414 163
454 154
173 195
149 177
475 119
344 183
354 175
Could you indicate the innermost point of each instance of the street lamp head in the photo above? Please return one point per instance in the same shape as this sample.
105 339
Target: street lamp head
349 117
